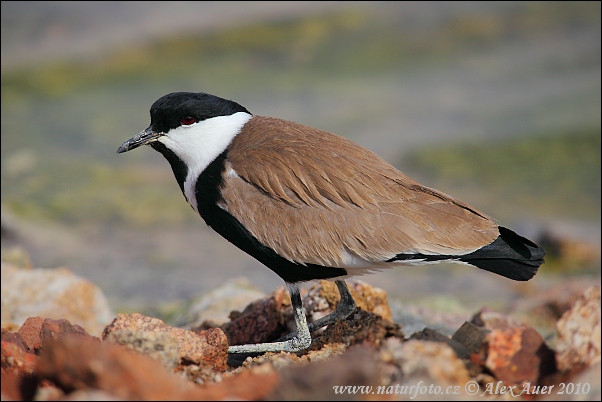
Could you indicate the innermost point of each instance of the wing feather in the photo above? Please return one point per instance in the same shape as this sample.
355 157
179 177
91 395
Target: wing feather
314 197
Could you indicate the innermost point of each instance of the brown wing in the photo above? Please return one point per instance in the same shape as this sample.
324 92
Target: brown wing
315 197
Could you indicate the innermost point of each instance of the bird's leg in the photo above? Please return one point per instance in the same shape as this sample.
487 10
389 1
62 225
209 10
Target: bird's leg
344 309
300 340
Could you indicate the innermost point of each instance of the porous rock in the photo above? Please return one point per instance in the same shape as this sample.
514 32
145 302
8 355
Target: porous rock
518 355
323 298
209 347
359 327
16 360
271 317
436 361
160 346
578 329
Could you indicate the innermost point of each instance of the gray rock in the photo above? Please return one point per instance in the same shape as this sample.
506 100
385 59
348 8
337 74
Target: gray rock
53 293
428 334
415 319
578 342
214 307
471 336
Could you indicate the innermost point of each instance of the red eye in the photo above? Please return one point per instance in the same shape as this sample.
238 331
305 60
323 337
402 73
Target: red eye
186 121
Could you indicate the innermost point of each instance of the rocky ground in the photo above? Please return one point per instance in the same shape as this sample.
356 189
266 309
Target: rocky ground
66 344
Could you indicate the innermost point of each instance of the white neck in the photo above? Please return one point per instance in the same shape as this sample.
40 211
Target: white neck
198 144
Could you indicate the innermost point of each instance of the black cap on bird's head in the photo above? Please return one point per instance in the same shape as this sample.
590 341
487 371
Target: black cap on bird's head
180 109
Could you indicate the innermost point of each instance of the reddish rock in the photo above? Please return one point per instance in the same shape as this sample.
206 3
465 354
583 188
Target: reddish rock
37 330
16 360
491 320
79 363
208 347
16 338
11 384
259 322
30 331
518 355
578 344
248 385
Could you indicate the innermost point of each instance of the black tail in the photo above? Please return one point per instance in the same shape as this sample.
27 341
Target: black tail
510 255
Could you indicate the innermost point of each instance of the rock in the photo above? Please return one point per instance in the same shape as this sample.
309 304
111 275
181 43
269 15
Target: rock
568 253
16 338
518 355
550 303
89 395
261 321
416 318
585 386
359 327
52 293
16 360
212 309
356 367
272 317
10 385
428 334
160 346
471 336
209 347
435 361
248 385
491 320
578 344
37 330
30 331
323 298
369 298
269 362
77 363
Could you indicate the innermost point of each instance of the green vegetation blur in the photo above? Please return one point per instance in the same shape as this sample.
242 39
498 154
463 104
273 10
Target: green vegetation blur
61 123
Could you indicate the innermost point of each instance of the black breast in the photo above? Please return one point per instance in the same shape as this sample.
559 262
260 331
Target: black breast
208 194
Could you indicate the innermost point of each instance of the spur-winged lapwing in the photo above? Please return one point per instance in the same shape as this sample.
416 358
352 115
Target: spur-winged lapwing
309 204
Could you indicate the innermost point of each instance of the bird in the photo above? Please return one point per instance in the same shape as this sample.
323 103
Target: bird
312 205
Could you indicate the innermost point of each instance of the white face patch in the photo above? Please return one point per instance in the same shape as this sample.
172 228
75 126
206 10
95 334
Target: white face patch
198 144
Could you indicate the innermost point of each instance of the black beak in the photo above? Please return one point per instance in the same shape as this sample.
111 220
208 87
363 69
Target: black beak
142 138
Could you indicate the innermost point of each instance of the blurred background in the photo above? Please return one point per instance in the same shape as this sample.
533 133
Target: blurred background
496 103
